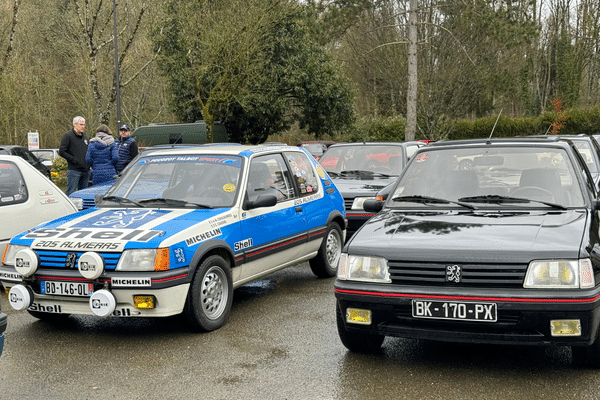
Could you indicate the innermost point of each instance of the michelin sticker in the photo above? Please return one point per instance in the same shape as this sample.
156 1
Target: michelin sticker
201 237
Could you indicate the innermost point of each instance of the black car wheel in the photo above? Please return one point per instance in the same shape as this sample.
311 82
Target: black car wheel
210 296
325 264
357 342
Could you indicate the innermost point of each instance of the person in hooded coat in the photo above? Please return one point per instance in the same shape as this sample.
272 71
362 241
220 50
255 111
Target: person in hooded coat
102 155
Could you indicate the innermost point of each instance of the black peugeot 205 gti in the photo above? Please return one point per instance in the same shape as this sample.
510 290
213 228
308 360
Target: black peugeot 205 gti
504 252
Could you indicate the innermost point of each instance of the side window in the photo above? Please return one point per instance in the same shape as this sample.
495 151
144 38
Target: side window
269 175
12 185
303 173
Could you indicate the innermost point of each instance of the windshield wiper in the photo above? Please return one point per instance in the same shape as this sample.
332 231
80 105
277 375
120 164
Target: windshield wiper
493 198
173 202
121 200
432 200
355 172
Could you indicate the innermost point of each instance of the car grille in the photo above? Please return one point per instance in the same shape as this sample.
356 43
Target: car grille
88 203
58 259
348 203
472 275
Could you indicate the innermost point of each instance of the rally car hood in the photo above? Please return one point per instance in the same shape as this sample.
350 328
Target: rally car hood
361 186
116 229
472 236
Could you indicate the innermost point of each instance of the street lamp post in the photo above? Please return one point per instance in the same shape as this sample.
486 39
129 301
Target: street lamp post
117 82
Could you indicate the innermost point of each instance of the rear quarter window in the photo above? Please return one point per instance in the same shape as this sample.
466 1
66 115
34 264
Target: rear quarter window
12 185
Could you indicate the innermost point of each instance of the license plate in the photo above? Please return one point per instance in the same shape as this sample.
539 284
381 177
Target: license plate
66 288
463 311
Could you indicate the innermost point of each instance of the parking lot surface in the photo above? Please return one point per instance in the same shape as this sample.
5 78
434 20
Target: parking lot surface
280 343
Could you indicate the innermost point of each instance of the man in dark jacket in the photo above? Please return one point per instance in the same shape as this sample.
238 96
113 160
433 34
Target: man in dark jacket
73 147
128 148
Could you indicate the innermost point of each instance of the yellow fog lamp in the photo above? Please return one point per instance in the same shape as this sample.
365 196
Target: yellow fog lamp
565 327
358 316
144 301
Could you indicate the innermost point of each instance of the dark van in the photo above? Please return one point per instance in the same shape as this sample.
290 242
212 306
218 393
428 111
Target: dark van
191 133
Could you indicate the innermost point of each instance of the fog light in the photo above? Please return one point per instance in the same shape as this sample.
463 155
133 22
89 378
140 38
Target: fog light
144 301
565 327
358 316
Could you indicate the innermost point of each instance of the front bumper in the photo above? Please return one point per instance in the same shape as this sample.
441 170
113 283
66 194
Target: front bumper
169 288
523 316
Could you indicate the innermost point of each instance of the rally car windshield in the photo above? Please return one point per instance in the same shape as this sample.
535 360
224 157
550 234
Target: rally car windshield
201 181
509 176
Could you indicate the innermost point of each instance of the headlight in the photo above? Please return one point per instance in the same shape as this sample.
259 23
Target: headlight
359 201
144 260
560 274
10 252
77 201
363 268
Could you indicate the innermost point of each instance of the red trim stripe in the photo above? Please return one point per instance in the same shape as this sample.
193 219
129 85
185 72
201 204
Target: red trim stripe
318 233
275 246
476 298
57 278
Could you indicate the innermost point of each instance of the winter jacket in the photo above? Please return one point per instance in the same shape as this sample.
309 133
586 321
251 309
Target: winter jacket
102 157
128 149
73 149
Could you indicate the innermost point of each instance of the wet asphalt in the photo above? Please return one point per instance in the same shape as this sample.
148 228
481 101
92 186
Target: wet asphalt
280 342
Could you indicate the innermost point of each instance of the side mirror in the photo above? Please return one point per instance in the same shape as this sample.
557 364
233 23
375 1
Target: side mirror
373 205
98 197
596 205
264 200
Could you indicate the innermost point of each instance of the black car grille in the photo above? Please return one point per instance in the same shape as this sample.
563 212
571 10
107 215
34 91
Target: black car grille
471 275
348 203
88 203
58 259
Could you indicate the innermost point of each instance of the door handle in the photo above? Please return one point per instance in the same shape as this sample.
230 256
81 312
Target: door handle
299 209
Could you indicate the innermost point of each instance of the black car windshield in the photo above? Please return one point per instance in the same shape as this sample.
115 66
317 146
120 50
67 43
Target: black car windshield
350 160
178 181
492 176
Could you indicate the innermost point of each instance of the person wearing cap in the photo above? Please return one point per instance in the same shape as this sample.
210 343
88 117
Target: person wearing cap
127 147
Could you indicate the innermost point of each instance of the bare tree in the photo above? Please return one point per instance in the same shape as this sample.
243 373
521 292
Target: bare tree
11 36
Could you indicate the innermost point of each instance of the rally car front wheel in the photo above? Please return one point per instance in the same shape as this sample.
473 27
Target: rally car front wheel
325 264
209 299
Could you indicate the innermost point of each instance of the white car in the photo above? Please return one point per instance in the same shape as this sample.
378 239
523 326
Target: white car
46 156
27 198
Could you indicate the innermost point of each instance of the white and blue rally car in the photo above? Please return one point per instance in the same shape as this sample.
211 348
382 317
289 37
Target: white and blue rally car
177 233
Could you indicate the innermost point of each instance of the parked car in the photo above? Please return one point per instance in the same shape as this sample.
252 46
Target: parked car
316 147
588 147
26 155
46 156
360 170
507 253
27 198
177 233
84 198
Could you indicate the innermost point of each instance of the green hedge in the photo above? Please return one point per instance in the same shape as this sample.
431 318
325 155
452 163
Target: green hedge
578 120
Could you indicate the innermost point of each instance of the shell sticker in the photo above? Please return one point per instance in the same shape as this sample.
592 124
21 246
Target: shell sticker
229 187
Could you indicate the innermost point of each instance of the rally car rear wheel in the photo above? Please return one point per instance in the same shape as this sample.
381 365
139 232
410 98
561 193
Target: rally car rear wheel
358 342
209 300
325 264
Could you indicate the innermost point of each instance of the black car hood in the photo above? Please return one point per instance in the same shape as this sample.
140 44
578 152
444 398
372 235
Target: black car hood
354 186
454 236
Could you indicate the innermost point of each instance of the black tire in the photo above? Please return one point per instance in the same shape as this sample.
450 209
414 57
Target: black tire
325 263
357 342
587 356
48 317
210 296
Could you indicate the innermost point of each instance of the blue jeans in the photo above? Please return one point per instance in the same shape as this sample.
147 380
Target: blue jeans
77 180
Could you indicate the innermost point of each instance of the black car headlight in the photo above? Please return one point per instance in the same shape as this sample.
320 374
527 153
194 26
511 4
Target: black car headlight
560 274
363 268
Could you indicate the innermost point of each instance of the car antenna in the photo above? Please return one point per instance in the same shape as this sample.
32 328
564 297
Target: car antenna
548 130
494 127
